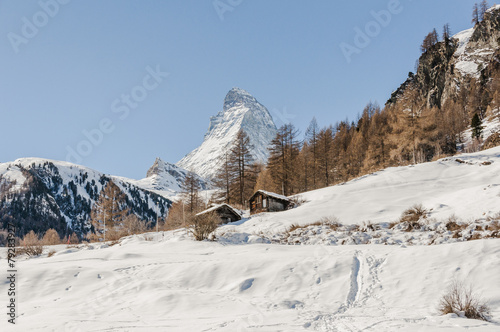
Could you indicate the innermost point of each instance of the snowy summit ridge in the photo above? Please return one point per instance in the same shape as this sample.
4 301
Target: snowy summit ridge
165 179
240 111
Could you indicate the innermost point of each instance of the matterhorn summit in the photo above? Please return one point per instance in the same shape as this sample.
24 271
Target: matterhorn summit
240 111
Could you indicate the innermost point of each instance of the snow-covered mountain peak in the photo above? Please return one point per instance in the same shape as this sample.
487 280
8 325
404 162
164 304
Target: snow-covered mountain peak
237 96
240 111
165 179
160 167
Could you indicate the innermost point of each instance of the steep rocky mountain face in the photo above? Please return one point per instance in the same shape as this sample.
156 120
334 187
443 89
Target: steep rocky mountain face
166 179
450 66
38 194
240 111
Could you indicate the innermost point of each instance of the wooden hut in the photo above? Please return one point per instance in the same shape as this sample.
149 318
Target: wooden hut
265 201
225 211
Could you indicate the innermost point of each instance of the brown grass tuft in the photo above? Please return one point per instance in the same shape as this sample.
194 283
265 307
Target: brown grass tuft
414 213
331 221
454 224
294 227
461 298
411 218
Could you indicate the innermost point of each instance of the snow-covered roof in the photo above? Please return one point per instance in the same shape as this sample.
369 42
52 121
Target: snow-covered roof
271 194
217 206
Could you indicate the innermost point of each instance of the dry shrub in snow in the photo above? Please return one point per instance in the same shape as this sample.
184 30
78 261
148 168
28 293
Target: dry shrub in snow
454 224
296 201
415 213
203 225
410 219
475 236
461 299
368 226
133 225
495 229
294 227
32 245
331 221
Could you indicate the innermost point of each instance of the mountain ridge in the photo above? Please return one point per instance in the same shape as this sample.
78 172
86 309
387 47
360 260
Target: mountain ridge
166 179
58 193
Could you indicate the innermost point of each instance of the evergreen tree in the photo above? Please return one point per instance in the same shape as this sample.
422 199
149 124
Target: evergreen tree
476 125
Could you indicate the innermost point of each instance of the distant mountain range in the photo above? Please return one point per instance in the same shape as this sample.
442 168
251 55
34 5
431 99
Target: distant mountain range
38 194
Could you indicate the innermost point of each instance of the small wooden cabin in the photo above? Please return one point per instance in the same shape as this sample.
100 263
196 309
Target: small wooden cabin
265 201
225 211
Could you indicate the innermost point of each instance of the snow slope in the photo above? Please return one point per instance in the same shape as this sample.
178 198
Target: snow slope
464 62
172 283
241 111
467 185
477 45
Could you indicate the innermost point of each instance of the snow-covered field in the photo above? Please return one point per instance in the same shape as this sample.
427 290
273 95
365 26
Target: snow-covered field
176 284
168 282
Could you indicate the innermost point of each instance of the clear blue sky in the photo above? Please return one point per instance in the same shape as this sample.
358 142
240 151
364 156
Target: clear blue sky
69 73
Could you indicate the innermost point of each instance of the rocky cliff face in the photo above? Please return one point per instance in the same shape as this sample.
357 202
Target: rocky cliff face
240 111
450 65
